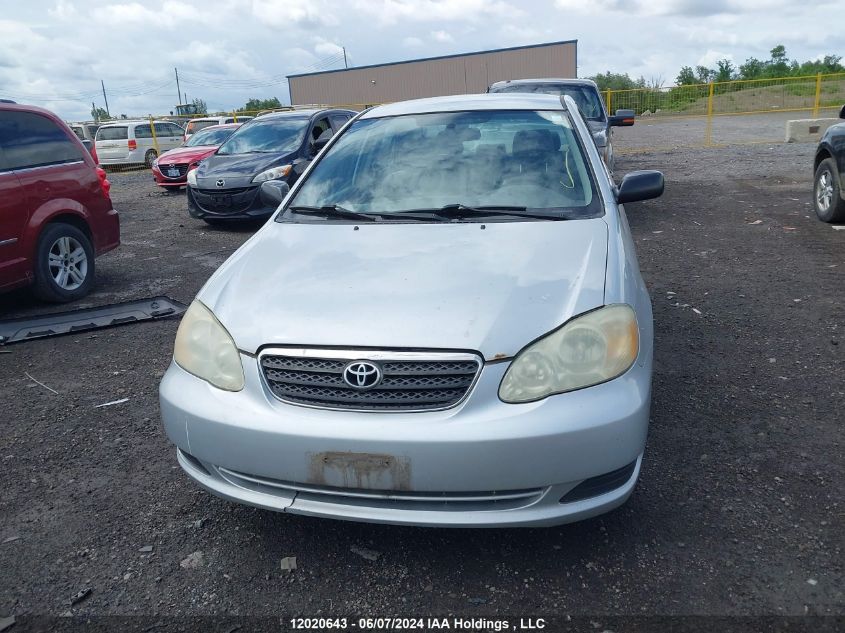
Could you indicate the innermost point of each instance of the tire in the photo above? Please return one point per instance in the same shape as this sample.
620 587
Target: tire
64 264
149 157
827 197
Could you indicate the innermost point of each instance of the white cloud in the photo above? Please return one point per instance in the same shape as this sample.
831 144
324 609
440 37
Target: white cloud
393 11
412 42
441 36
130 14
304 13
63 10
711 57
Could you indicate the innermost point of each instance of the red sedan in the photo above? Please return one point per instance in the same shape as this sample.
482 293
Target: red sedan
171 168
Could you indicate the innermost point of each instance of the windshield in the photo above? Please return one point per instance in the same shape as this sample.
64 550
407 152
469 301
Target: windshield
210 137
586 97
528 160
275 135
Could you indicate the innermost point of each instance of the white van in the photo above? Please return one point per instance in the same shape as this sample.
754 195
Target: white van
131 142
195 125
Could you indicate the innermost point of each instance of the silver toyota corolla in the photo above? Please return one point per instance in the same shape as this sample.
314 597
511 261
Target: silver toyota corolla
443 324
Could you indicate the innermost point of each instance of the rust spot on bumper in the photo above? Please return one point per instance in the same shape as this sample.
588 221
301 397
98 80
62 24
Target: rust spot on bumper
371 471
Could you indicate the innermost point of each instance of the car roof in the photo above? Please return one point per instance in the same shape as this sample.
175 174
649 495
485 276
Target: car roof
547 80
135 122
457 103
299 114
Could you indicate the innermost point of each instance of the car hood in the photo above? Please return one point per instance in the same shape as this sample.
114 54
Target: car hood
237 170
491 288
186 154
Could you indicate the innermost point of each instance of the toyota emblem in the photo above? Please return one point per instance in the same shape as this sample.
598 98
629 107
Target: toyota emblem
362 374
221 183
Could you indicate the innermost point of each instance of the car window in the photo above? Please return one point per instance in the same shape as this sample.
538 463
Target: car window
196 126
586 97
113 133
211 136
339 120
270 135
143 131
32 140
176 130
92 130
80 134
507 158
319 127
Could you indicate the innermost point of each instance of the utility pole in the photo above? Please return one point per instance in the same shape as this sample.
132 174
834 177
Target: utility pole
178 89
345 65
105 98
94 111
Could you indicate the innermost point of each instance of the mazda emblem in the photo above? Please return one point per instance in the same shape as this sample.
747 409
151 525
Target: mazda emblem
221 183
362 374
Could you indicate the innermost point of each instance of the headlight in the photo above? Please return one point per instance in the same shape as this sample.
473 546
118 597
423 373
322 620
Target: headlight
192 177
590 349
205 349
273 173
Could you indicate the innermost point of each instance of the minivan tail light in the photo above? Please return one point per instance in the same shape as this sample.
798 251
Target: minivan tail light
105 185
133 144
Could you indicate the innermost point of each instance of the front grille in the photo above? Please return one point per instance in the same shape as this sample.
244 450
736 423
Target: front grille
235 200
407 384
165 169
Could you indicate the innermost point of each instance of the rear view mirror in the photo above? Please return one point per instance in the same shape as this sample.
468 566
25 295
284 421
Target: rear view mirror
640 185
272 192
623 118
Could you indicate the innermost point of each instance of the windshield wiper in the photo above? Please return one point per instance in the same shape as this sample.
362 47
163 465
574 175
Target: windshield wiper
459 211
333 211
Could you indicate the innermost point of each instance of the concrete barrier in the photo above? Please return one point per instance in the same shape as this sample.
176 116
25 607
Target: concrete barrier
808 130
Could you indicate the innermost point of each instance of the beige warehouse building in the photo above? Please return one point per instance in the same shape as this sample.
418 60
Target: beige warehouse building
434 76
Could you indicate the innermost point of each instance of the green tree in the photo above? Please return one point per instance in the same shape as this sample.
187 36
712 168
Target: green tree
614 81
202 108
261 104
779 63
753 68
686 77
725 71
703 74
99 114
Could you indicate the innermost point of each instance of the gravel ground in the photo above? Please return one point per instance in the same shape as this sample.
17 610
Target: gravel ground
739 510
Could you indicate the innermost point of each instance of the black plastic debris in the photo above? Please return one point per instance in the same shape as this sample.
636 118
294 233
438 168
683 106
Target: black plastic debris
17 330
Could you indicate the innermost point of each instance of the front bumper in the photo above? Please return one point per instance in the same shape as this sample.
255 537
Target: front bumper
225 204
168 181
519 461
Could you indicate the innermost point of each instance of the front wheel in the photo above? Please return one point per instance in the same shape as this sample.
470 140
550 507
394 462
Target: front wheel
827 198
64 266
149 158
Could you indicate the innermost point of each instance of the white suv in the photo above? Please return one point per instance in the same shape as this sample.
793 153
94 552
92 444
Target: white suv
132 142
195 125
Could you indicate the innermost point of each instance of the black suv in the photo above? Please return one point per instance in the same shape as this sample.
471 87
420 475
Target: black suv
586 95
277 146
829 185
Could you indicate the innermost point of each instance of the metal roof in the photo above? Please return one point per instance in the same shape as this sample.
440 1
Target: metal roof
426 59
547 80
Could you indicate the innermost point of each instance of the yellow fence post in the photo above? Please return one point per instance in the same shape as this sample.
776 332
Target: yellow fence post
609 97
708 141
155 138
817 103
235 115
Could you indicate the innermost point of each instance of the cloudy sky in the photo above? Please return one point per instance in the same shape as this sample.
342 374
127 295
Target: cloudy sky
55 52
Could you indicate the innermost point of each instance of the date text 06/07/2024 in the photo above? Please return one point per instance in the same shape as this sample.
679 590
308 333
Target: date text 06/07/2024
417 624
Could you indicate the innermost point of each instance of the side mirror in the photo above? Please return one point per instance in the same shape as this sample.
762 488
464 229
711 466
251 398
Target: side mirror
842 113
322 140
272 192
640 185
622 118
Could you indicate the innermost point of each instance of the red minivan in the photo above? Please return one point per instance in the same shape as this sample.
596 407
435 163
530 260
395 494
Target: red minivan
56 215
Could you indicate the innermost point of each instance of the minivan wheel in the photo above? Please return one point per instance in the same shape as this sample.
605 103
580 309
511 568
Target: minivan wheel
150 157
827 199
64 266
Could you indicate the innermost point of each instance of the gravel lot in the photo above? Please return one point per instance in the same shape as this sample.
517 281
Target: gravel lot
739 510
